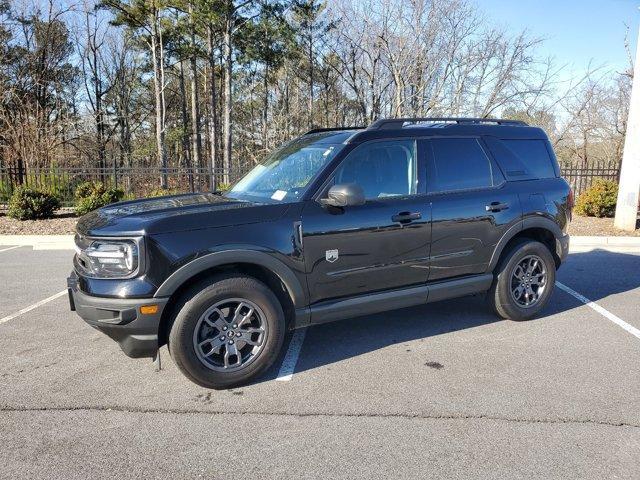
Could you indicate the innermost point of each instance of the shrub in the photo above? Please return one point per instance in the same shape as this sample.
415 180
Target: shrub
32 204
93 195
85 189
599 200
223 187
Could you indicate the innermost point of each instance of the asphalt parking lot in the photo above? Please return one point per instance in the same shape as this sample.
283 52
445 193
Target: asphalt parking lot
444 390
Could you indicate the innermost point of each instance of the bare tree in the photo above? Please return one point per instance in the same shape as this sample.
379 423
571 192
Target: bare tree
196 146
270 68
146 16
91 41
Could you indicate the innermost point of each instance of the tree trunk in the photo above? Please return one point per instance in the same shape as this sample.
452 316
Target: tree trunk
227 96
196 147
326 100
185 126
213 119
100 130
158 85
221 106
310 77
265 108
124 127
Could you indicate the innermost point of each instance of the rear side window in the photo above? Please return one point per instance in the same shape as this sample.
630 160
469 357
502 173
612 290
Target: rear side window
534 155
458 164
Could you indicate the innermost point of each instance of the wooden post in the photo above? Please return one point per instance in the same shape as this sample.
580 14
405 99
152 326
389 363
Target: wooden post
629 189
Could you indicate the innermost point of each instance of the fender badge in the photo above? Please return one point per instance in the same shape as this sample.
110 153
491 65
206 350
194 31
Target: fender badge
331 255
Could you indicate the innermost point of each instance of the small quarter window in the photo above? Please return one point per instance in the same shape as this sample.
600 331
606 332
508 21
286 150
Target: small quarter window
534 155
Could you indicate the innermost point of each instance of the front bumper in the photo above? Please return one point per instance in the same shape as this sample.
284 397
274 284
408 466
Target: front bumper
120 319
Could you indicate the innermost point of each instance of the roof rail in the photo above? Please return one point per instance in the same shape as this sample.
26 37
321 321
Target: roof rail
333 129
388 123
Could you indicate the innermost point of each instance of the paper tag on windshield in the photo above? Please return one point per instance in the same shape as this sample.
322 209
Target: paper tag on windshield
279 195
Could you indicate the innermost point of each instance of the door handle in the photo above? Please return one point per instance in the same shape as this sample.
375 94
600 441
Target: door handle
406 217
496 207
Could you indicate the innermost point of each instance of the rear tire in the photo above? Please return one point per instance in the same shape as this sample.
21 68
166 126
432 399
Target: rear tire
227 332
524 280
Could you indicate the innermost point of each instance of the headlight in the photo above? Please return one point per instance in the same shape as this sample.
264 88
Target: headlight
108 258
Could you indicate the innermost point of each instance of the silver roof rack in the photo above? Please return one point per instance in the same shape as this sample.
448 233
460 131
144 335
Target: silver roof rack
332 129
391 123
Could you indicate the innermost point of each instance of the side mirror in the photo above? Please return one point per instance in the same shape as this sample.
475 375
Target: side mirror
344 195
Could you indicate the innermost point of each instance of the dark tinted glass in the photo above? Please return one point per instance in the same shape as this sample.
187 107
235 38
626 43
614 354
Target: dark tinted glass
534 156
458 164
382 169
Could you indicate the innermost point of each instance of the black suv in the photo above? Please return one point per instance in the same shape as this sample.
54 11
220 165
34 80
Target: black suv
335 224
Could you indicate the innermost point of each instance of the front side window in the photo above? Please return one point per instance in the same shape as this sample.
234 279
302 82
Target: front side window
286 174
458 164
382 169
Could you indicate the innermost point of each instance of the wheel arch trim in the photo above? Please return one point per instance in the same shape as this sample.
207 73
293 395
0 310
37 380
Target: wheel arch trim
525 224
226 257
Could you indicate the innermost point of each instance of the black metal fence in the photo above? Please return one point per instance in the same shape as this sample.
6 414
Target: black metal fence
581 178
142 181
135 182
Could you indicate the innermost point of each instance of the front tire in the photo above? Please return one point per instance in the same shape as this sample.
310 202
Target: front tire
227 332
524 280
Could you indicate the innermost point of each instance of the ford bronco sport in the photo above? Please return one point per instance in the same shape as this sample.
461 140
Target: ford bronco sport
335 224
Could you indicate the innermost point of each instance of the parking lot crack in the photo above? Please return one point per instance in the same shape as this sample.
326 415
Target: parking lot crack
400 415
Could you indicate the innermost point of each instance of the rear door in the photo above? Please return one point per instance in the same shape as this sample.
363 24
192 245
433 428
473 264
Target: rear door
472 206
381 245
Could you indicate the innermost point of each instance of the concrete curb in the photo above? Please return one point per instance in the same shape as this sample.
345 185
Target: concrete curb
65 242
592 241
39 242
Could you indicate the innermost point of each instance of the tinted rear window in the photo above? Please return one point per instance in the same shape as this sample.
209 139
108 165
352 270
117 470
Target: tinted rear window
534 155
458 164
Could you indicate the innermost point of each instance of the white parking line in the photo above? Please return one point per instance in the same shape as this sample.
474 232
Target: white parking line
606 313
291 358
31 307
10 248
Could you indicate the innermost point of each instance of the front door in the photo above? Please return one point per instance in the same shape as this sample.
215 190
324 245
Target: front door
381 245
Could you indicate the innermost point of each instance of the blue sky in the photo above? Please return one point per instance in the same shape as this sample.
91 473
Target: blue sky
576 31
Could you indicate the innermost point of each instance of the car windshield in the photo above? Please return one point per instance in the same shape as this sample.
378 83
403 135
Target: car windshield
285 175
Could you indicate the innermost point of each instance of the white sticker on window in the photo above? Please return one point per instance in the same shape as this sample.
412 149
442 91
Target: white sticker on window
279 195
328 151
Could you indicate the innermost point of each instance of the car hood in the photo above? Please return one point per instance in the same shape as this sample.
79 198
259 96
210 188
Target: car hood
175 213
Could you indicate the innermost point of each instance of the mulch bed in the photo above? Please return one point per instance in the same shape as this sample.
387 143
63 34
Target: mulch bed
64 223
600 227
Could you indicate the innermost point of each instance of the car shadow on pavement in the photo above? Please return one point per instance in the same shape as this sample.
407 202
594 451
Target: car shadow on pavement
337 341
596 274
331 343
